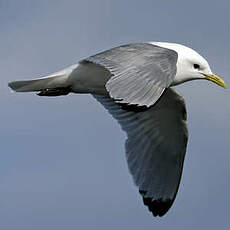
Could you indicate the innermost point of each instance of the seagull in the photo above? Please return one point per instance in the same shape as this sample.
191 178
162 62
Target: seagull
134 83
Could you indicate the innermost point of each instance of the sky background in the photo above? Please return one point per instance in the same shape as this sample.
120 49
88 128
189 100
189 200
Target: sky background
62 159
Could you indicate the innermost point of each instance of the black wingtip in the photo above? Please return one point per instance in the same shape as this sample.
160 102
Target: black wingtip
12 86
158 207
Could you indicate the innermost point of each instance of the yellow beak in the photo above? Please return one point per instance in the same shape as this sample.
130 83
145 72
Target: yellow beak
216 79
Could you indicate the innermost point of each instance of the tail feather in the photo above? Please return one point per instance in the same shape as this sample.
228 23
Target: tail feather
38 84
56 80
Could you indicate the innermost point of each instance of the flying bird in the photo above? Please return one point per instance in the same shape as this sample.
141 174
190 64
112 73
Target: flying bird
134 83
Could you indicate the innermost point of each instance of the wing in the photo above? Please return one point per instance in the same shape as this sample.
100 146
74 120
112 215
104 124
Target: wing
155 148
140 72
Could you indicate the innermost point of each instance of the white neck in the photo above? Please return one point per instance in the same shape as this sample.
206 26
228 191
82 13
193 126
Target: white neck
186 58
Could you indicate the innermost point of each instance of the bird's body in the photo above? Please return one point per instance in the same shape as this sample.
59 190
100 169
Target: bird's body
133 83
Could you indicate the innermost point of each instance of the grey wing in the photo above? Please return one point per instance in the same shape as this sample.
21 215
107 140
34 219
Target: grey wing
140 72
155 148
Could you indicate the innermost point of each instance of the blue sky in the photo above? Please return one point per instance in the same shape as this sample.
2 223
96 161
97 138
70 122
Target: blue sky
63 162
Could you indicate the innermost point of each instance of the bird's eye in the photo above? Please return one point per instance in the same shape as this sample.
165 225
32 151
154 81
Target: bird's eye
196 66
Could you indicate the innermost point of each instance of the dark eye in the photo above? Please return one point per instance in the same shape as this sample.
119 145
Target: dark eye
196 66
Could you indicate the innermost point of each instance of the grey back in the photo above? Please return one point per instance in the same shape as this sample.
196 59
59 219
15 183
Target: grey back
140 72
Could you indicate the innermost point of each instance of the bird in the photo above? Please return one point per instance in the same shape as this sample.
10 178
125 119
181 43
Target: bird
135 83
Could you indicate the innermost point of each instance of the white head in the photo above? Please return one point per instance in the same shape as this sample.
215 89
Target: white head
190 65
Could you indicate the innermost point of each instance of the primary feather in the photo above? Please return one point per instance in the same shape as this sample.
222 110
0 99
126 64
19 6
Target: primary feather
155 147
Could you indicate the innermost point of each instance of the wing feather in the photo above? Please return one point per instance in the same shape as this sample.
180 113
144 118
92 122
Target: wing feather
155 148
140 72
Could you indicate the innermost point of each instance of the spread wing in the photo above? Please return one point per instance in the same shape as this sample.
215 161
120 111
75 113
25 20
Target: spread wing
140 72
155 148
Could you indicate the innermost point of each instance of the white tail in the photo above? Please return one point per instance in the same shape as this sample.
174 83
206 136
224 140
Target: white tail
56 80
